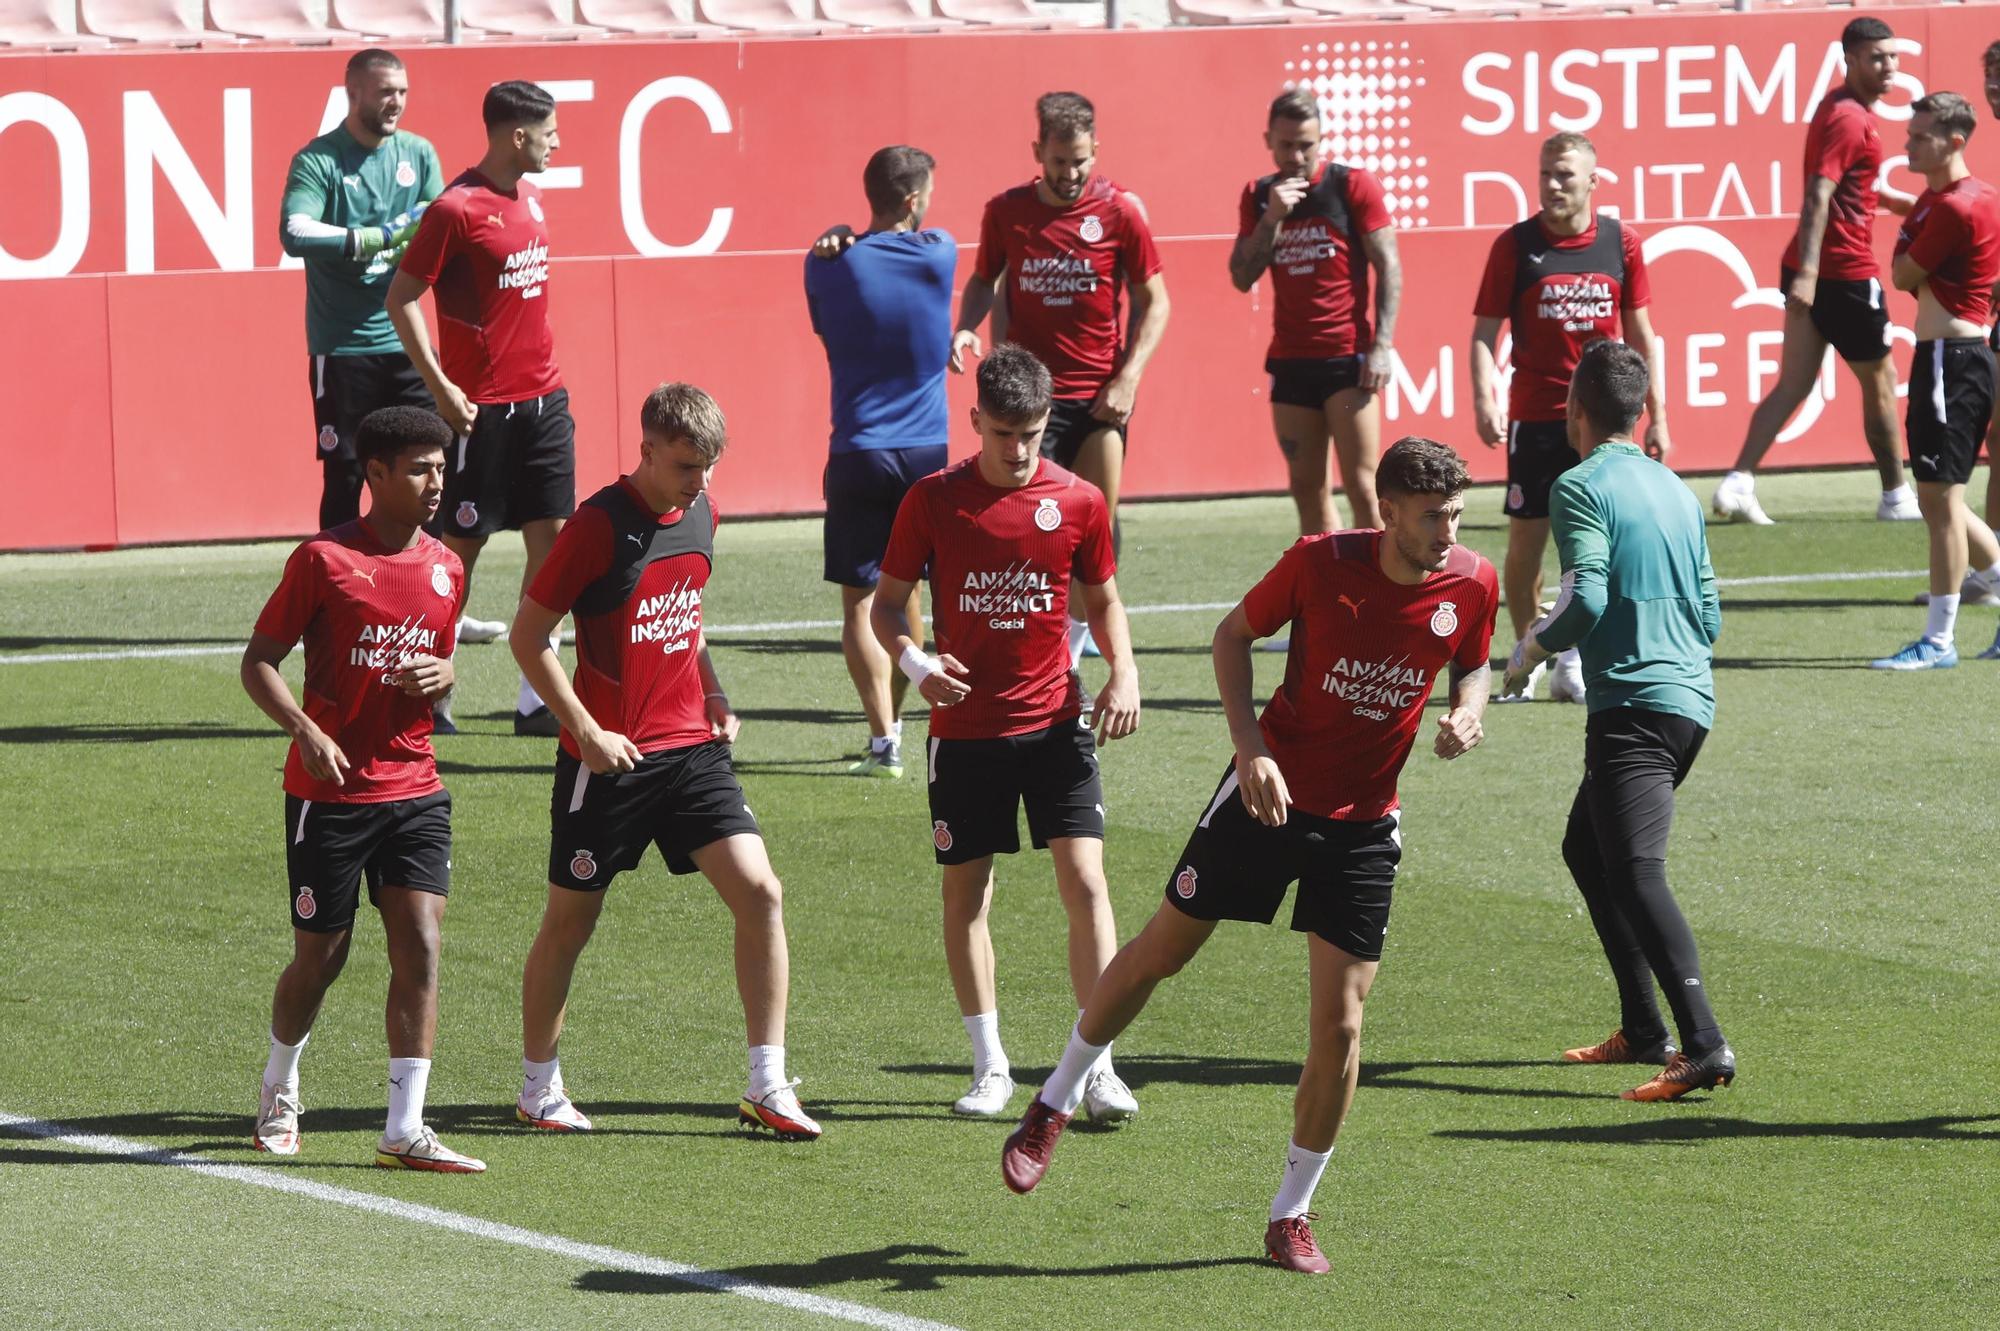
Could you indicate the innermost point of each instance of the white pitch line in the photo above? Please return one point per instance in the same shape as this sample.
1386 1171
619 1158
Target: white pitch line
798 625
592 1254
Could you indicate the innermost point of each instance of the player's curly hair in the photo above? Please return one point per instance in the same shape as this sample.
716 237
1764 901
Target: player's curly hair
1064 115
1949 113
1013 385
1414 465
686 413
387 431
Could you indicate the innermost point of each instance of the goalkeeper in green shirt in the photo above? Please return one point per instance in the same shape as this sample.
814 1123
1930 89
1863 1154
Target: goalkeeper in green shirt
1639 603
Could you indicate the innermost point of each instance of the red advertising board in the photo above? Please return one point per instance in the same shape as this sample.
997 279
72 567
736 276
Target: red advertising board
156 377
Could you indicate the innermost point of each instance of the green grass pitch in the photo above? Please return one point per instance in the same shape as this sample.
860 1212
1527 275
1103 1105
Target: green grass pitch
1834 852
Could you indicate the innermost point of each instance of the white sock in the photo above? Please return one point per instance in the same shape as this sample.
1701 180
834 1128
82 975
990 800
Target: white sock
1943 618
1898 495
527 700
1739 480
534 1076
1078 631
1064 1089
1302 1171
767 1068
881 743
1103 1063
282 1068
896 726
987 1055
409 1078
1989 576
1570 658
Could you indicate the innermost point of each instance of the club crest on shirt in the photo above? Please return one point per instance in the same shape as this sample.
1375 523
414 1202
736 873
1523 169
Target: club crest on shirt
329 439
440 581
535 209
941 835
1184 884
303 904
582 866
468 513
1444 620
1091 231
1048 516
406 175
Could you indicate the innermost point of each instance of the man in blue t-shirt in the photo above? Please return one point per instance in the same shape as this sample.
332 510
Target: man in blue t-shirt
881 304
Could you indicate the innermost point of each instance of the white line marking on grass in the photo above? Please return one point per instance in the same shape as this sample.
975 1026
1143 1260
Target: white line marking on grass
798 625
592 1254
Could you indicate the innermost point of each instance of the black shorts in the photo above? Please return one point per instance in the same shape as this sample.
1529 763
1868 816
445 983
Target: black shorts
1537 453
346 388
517 466
863 490
977 784
1070 423
1309 383
1236 868
677 799
403 843
1852 316
1950 405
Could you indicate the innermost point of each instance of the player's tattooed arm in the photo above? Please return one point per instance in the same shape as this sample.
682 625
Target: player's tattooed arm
1380 245
1463 725
322 757
1252 253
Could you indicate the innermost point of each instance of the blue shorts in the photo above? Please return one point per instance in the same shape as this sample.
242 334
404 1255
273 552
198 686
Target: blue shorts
863 490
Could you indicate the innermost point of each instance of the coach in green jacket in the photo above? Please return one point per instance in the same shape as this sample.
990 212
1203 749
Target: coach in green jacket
1639 602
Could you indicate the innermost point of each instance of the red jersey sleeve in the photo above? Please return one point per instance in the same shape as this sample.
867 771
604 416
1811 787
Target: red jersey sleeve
1247 212
1477 648
1944 234
911 540
1842 140
1274 601
992 259
431 248
582 554
1638 290
1138 256
1366 204
1095 563
1496 286
296 600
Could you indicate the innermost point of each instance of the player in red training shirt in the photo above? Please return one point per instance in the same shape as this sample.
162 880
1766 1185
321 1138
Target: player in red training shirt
483 246
376 601
1311 797
1833 290
1561 279
1948 255
646 730
1004 534
1070 246
1319 226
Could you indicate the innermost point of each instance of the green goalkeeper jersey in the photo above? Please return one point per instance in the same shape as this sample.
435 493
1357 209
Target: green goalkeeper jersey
335 187
1638 599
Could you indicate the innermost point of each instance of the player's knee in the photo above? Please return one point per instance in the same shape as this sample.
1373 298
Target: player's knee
1339 1029
1579 852
761 896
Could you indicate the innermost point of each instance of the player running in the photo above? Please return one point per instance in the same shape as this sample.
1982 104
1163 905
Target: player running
1639 598
1563 278
1003 534
644 760
1833 290
1311 797
1070 246
484 247
376 601
881 304
1319 226
1948 255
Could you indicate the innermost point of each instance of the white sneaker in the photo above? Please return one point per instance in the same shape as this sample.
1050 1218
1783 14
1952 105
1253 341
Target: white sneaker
424 1151
779 1110
1527 693
1566 679
548 1108
988 1097
1903 509
1739 504
277 1120
472 630
1106 1097
1973 591
1274 645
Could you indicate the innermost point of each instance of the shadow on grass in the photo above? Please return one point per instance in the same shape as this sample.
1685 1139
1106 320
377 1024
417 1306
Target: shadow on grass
905 1268
1691 1130
780 646
1143 1070
27 644
1734 603
112 732
1856 662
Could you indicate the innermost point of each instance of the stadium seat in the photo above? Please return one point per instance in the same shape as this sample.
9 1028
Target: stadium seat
154 22
1377 10
299 21
790 16
523 18
885 15
1004 14
1206 12
1494 8
401 20
49 24
651 18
